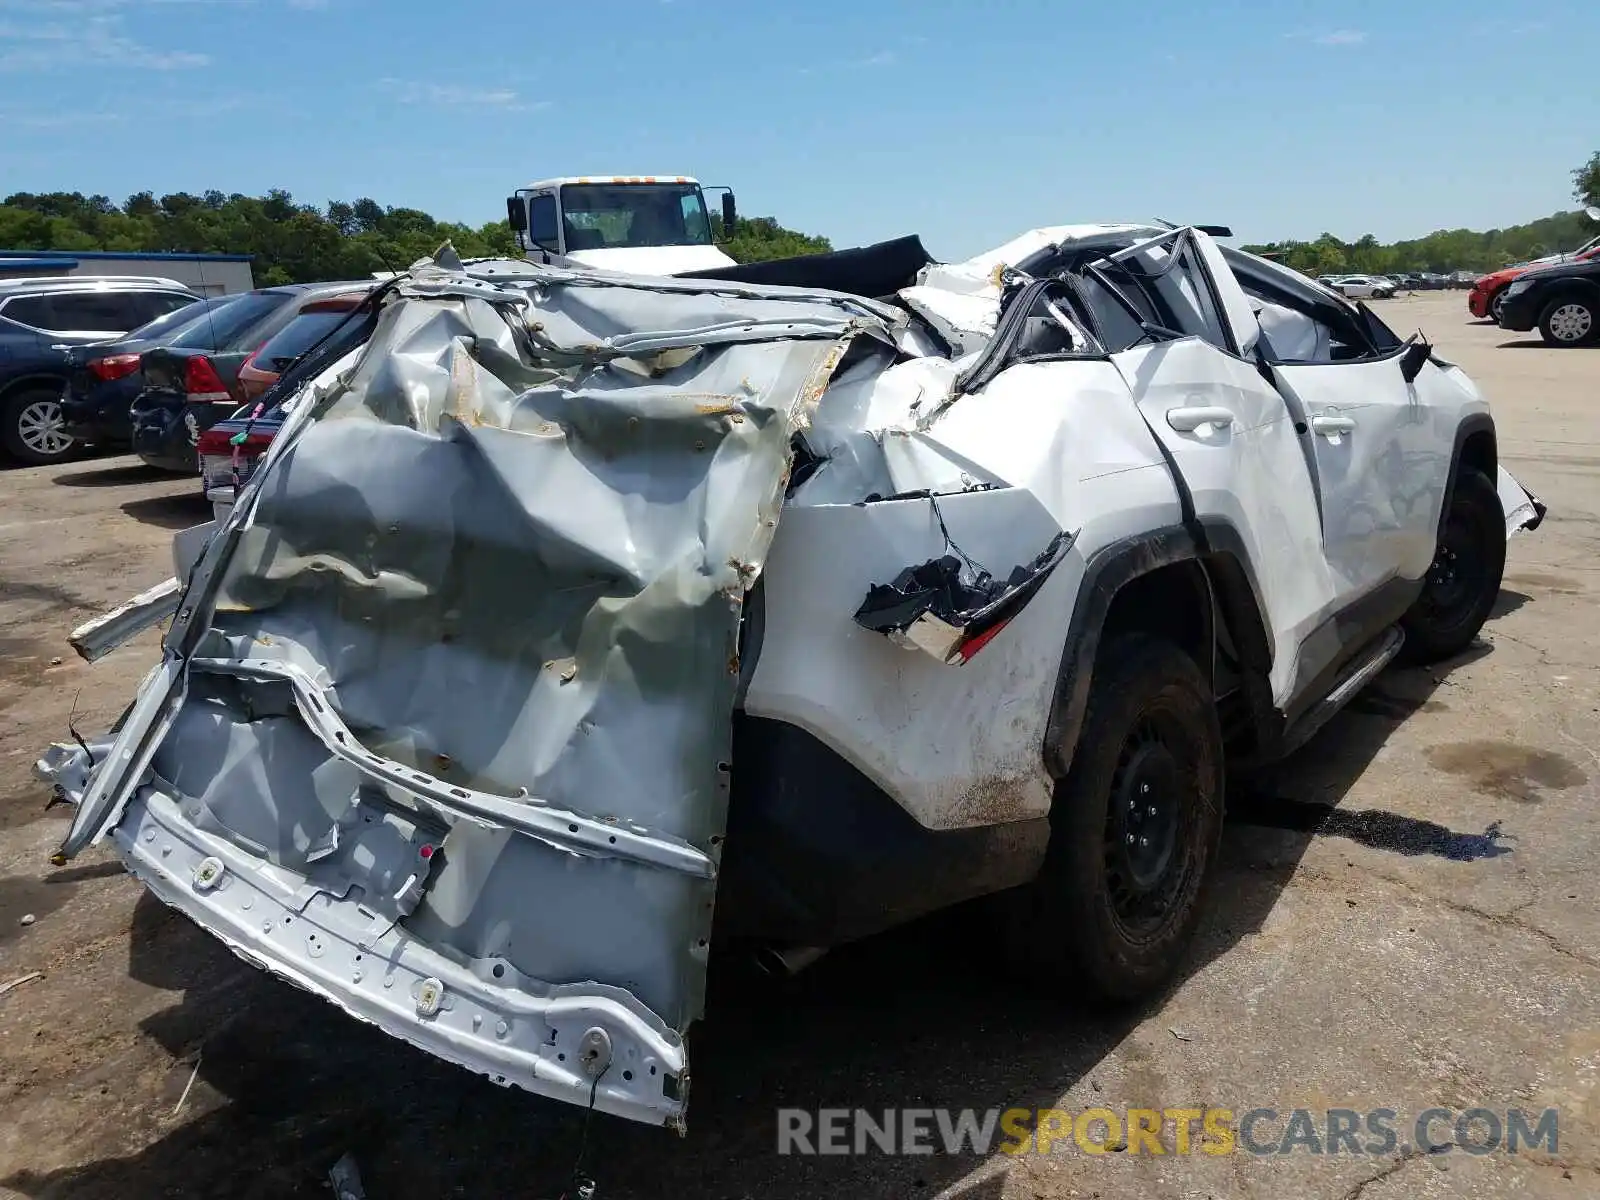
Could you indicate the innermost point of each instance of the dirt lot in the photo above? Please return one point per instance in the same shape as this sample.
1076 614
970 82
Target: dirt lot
1406 918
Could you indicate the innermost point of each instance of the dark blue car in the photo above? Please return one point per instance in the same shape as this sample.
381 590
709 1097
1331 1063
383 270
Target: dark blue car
41 319
103 377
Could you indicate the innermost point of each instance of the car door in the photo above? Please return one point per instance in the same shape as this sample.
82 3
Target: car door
1231 439
1380 445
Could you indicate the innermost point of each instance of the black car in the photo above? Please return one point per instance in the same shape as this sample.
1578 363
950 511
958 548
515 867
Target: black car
186 389
40 320
104 377
1562 300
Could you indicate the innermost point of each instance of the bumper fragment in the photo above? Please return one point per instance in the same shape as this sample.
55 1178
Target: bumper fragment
501 1028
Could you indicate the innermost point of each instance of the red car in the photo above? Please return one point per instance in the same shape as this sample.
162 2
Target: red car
1486 295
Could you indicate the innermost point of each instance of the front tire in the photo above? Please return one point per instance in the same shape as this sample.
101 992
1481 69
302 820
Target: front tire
33 427
1135 827
1569 321
1497 305
1463 582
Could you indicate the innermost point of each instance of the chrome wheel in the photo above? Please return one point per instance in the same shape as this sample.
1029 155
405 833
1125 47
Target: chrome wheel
42 428
1497 306
1571 323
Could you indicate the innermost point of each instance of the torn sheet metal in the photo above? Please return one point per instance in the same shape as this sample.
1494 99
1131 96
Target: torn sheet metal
1523 509
442 732
97 638
950 607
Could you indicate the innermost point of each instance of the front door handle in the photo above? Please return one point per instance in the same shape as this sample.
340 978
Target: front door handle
1332 426
1187 420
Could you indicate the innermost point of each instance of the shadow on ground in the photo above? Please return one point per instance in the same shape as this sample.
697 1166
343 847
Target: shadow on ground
170 512
118 475
920 1017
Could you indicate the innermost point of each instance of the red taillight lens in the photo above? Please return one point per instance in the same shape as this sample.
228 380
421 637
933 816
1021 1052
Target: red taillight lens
201 381
219 443
113 366
970 646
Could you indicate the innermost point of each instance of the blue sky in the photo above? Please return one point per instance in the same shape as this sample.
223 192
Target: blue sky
859 119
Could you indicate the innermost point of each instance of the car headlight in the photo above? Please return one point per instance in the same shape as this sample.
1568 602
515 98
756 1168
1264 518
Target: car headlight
1518 287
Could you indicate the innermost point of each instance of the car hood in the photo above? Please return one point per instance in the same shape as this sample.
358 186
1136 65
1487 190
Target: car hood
653 260
1571 266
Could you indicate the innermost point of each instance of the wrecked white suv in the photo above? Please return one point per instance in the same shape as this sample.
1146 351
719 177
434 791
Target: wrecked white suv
574 616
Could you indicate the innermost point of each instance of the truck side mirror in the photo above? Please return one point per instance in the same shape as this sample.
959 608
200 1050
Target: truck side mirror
730 214
517 214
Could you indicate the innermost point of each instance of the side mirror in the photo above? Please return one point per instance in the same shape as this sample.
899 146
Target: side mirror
1417 353
730 214
517 214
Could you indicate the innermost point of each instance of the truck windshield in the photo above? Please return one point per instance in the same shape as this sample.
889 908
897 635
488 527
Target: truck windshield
605 215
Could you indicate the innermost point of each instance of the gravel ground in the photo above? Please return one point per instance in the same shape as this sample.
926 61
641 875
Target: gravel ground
1405 919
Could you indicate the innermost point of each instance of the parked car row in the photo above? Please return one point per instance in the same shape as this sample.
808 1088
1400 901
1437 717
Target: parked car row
145 364
1360 287
1363 287
1558 294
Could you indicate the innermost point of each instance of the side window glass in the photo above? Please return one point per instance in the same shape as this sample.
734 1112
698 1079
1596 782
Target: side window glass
1186 295
29 310
111 312
1117 327
147 306
542 226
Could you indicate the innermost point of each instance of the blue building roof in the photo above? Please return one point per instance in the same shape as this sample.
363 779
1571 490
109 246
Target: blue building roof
61 257
8 263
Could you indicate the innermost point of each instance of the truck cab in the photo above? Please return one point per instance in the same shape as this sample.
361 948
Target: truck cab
641 224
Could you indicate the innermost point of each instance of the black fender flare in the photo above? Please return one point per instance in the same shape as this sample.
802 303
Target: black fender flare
1231 587
1473 423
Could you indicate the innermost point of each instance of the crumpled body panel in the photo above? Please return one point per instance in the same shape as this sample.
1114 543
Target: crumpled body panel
461 687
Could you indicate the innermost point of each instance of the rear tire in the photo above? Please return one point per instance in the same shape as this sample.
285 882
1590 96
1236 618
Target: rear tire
33 427
1570 321
1463 582
1135 828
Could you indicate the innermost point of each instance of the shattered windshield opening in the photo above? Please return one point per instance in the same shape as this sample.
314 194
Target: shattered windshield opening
604 216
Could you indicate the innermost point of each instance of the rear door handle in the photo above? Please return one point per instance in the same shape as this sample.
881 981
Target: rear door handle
1332 426
1187 420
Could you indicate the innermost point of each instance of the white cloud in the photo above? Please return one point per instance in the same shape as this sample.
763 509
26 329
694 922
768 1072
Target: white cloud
98 41
1509 28
192 109
1331 37
449 95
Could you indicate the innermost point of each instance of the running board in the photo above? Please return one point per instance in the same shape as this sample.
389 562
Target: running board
1356 677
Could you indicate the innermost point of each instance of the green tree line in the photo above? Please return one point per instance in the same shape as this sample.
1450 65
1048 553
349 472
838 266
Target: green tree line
1442 251
293 242
1450 249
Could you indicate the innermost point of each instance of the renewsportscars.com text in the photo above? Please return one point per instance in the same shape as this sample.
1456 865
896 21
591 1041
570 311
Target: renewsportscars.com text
1179 1131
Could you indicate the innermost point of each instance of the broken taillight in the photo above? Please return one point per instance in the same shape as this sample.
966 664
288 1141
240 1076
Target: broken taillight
113 366
220 442
951 608
970 645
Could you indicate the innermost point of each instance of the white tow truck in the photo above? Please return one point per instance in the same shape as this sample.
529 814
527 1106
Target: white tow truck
640 224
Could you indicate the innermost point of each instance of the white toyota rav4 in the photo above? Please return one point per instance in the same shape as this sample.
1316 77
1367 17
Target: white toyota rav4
574 618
